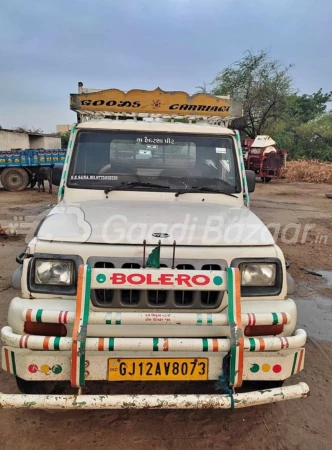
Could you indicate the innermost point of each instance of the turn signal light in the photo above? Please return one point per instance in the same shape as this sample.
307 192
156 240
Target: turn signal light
45 329
263 330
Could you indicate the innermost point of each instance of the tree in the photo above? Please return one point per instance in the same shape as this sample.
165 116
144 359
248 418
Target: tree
304 108
64 138
300 110
261 84
314 138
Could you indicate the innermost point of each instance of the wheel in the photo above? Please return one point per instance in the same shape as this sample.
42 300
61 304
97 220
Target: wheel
14 179
266 179
35 387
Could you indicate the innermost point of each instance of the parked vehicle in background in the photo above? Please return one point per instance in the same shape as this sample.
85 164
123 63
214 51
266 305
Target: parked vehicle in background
152 266
261 156
18 167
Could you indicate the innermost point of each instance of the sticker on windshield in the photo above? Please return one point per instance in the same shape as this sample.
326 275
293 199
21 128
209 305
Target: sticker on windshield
211 163
155 140
220 150
225 164
95 177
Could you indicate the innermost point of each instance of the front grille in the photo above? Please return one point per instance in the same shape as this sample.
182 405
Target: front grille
156 299
103 297
210 298
130 297
184 298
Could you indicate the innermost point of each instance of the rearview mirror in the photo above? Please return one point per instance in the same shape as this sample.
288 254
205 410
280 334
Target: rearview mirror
251 180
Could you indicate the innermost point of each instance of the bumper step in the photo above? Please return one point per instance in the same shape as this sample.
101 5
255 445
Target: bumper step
244 400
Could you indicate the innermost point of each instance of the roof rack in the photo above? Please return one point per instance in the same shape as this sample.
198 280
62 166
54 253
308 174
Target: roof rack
158 104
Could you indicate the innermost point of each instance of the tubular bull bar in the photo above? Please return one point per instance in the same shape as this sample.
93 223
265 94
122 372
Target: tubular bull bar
90 278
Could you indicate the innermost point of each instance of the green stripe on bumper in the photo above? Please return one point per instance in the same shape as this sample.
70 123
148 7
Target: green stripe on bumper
12 355
294 363
39 315
111 344
252 344
57 343
205 345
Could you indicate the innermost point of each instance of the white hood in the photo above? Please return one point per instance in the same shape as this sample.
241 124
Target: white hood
131 222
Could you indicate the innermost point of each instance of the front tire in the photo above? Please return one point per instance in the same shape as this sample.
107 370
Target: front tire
35 387
266 179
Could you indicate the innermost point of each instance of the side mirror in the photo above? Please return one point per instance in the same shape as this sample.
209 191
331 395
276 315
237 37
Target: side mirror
251 180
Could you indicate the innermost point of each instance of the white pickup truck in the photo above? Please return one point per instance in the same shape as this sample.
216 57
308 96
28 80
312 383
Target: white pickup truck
152 266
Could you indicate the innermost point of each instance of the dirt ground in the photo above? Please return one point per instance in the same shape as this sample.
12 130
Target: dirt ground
299 424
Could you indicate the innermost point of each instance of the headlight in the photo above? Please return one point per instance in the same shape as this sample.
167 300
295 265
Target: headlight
54 272
258 274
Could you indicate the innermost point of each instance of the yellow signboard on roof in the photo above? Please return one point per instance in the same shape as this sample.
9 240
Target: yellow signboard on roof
154 102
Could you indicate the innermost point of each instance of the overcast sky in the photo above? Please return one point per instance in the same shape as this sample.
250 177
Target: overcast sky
47 46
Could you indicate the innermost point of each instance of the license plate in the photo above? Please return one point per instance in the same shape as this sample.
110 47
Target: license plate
145 369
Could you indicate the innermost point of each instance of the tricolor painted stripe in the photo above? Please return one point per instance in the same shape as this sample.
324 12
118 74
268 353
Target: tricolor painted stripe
261 344
80 326
108 319
240 338
284 318
10 361
65 166
28 315
294 363
111 344
243 172
215 345
299 366
155 344
165 345
284 342
24 341
7 360
12 354
205 345
235 322
138 318
252 344
46 342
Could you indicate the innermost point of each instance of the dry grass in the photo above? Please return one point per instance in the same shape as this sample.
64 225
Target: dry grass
312 171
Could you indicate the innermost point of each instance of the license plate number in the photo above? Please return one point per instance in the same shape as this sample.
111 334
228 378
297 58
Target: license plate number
145 369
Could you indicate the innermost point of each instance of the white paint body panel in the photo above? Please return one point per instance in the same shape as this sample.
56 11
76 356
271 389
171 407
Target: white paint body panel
130 221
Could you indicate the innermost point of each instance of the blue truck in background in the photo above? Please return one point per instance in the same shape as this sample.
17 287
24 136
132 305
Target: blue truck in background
17 167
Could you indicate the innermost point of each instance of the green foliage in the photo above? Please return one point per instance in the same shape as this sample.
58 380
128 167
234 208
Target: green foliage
304 108
301 124
64 138
304 132
314 138
261 84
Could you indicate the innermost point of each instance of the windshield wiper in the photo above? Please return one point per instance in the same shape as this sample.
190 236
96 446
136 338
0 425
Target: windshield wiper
140 183
203 189
132 184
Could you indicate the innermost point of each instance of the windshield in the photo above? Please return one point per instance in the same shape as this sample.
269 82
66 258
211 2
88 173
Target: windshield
150 161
